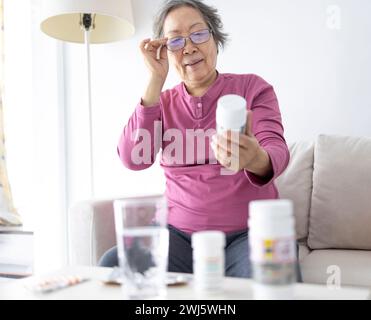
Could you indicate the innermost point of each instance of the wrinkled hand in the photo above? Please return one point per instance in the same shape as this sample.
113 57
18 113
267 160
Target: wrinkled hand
155 56
236 151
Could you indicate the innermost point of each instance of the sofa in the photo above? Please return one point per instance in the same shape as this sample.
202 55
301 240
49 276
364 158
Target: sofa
329 182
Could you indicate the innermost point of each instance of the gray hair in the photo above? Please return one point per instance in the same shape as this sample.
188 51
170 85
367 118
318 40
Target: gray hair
210 15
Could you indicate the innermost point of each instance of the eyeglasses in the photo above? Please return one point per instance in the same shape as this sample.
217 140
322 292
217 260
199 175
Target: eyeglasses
197 37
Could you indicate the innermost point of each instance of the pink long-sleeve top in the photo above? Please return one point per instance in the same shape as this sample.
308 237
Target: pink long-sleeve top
199 195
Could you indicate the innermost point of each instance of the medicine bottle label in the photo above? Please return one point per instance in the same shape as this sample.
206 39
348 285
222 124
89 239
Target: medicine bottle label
281 250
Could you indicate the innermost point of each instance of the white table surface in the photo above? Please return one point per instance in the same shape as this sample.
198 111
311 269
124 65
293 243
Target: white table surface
95 289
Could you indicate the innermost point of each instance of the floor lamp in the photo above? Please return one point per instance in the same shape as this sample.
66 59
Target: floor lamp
88 22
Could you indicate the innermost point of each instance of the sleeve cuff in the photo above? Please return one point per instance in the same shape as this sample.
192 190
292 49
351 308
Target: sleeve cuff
260 182
153 109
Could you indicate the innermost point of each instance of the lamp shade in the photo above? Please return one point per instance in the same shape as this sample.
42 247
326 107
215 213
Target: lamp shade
113 19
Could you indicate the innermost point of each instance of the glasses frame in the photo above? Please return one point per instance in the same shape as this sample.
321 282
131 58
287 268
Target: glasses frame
190 38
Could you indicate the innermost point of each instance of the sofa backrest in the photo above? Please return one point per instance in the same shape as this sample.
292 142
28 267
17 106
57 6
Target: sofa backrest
91 231
296 184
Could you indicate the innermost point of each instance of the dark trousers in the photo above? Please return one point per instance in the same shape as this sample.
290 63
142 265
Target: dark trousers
237 255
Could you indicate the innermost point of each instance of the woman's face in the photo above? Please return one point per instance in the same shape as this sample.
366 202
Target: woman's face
195 63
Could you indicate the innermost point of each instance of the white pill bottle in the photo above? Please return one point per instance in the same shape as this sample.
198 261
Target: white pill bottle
231 113
208 261
272 249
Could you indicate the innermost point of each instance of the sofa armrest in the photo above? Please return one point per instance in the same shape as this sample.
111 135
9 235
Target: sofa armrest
91 231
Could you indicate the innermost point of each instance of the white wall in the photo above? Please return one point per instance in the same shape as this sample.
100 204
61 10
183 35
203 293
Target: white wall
316 53
321 74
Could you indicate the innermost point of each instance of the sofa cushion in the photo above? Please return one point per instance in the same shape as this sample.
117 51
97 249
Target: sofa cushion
351 266
340 215
296 183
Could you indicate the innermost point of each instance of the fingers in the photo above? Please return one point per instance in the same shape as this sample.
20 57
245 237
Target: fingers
228 156
144 43
148 45
230 162
225 162
161 53
249 124
229 139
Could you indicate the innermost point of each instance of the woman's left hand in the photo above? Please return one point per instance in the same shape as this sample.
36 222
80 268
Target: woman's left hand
236 151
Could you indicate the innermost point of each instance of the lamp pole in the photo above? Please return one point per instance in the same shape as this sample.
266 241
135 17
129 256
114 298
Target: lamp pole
88 25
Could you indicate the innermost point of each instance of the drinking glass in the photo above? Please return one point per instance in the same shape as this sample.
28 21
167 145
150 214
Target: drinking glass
143 245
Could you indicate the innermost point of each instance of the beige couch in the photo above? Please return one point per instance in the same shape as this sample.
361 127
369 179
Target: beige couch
329 181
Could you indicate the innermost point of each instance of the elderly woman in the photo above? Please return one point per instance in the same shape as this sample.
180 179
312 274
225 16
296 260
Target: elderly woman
188 35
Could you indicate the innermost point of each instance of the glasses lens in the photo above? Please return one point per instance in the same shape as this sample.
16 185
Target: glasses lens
175 44
200 36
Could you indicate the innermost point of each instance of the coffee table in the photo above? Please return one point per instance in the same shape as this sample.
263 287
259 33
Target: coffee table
96 289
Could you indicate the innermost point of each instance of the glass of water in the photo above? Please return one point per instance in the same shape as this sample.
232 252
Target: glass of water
143 245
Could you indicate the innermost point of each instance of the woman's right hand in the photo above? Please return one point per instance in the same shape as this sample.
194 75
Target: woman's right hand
157 64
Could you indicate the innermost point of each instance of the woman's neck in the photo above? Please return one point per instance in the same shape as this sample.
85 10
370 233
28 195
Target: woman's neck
197 89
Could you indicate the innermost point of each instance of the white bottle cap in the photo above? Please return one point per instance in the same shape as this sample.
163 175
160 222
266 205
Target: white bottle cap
208 241
231 113
271 218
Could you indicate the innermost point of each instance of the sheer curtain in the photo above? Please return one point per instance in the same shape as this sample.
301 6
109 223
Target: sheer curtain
35 131
8 214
